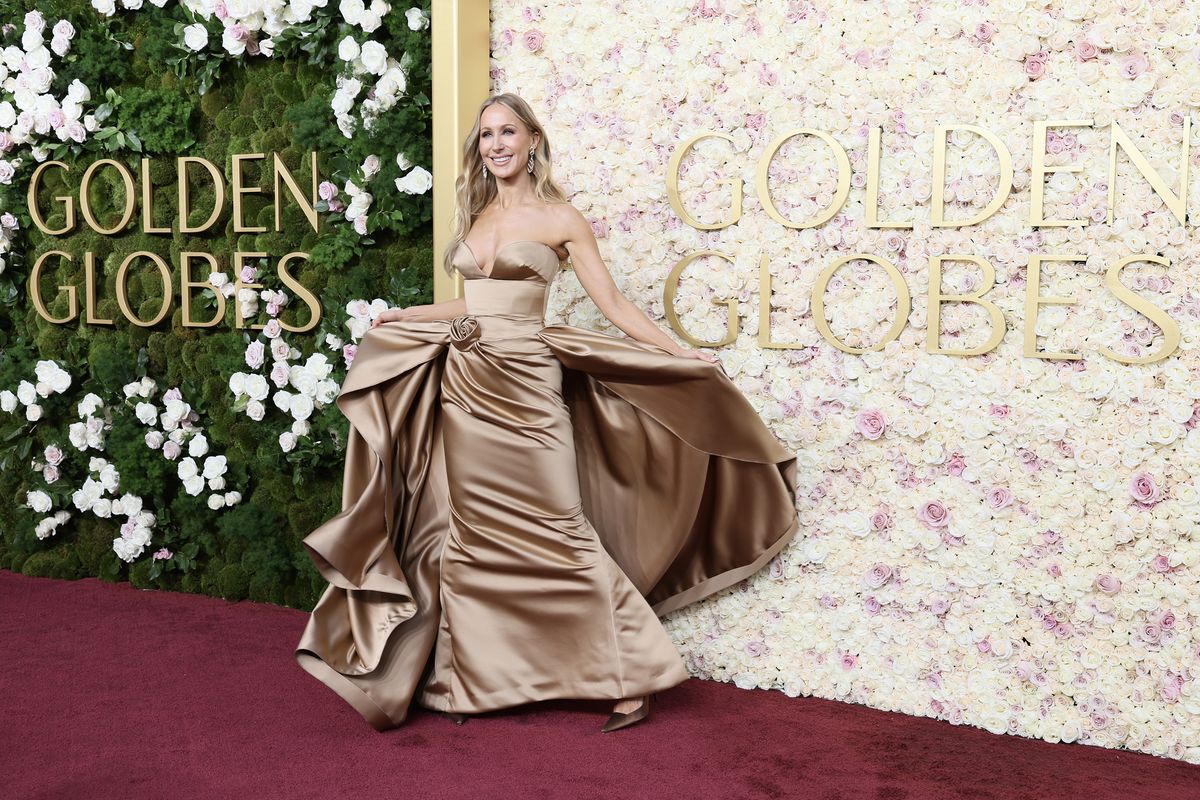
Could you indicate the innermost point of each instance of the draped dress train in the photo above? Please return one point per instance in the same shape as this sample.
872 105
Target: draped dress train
521 502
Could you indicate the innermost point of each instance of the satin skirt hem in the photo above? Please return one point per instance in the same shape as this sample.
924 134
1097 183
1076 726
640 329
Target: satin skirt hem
557 689
357 698
728 578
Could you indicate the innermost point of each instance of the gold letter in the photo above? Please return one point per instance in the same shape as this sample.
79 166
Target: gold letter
872 199
1177 205
936 298
764 309
38 220
733 321
238 258
839 197
148 202
85 205
1033 285
903 303
1159 317
239 190
36 293
939 176
123 289
89 271
735 186
309 298
305 204
186 285
185 200
1037 184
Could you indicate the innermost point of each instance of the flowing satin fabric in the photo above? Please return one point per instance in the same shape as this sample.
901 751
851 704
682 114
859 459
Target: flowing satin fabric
521 502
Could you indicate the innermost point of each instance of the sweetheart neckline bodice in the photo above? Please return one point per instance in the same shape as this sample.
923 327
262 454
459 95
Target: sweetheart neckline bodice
496 258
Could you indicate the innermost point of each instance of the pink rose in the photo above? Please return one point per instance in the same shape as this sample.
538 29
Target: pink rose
878 575
1134 65
956 464
872 605
533 39
881 520
173 393
849 661
349 352
1151 632
600 227
1035 67
1085 50
999 497
327 191
985 31
934 514
161 554
255 353
870 423
1143 489
983 646
50 473
1106 584
170 450
54 454
939 606
248 274
755 649
1161 564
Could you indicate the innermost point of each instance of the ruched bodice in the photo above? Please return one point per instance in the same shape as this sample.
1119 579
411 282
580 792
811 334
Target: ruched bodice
518 284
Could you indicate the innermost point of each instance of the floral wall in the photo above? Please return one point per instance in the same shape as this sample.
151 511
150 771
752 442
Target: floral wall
1001 540
180 457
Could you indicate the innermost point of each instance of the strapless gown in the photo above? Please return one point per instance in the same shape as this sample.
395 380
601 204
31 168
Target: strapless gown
521 502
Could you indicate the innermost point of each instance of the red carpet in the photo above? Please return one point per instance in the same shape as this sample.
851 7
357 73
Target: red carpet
107 691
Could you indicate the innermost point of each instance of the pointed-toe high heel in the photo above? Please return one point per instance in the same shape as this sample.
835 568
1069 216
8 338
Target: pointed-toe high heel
617 721
457 719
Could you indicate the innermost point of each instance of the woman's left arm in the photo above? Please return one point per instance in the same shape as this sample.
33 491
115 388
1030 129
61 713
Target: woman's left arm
596 280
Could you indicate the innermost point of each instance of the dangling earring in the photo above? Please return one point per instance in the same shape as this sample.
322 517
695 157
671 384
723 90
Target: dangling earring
529 165
485 172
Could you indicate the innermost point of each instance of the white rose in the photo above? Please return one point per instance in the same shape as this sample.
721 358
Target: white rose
374 57
8 400
302 406
38 500
348 49
416 19
198 445
287 441
105 7
146 413
216 501
352 10
418 181
255 410
33 412
196 37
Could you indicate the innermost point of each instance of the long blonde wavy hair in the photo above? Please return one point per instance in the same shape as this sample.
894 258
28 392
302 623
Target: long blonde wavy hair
473 190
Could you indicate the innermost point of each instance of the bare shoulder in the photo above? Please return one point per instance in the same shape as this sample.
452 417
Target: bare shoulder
568 220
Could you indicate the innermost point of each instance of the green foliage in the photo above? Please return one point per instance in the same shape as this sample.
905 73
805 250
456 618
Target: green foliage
156 110
160 117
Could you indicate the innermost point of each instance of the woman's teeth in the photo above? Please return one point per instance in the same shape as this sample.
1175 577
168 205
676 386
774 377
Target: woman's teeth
501 160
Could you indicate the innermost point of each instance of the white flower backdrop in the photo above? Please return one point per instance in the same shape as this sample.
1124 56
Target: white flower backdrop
1002 541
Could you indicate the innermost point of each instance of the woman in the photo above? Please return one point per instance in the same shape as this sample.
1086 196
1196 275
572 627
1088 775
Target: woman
521 501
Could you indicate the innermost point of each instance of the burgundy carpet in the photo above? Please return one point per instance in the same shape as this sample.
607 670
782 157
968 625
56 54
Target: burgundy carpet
107 691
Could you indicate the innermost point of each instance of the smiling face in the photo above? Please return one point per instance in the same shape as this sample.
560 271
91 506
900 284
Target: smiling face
504 141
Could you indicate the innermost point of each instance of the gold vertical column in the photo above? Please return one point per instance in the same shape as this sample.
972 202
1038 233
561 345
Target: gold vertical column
461 66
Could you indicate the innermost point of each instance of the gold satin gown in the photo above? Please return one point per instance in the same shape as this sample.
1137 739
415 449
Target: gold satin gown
521 502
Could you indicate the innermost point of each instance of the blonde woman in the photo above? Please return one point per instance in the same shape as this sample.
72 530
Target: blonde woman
521 502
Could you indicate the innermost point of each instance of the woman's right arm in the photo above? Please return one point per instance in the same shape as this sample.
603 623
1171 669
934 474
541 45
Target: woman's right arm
429 313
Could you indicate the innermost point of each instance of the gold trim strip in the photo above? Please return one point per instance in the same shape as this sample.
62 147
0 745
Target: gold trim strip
461 66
